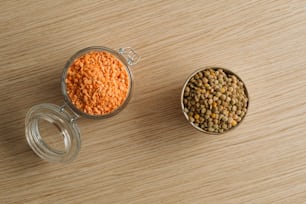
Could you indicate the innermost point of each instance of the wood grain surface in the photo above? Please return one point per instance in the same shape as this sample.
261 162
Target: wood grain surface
149 153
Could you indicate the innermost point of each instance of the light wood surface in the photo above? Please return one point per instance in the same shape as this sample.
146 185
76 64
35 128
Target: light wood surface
149 153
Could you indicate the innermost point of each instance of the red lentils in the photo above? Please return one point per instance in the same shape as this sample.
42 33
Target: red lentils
97 83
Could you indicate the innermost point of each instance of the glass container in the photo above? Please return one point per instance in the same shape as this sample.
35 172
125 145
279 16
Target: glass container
64 118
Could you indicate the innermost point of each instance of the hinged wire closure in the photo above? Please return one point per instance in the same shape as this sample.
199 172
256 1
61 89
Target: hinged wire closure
131 56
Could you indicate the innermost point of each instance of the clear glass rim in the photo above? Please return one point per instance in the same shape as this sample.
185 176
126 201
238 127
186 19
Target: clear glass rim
67 126
215 68
82 52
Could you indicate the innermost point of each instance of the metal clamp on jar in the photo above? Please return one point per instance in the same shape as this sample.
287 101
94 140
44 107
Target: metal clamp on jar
64 117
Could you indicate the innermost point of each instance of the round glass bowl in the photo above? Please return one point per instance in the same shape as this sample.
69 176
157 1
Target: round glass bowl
228 73
63 118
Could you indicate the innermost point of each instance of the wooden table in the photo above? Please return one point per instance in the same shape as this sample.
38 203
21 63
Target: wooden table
149 153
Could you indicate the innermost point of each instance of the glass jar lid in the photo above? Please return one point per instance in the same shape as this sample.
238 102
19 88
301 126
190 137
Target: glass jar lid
62 120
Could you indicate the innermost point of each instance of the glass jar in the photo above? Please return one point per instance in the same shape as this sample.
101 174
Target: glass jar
64 117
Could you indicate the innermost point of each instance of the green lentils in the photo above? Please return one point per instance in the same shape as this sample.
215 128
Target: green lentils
215 100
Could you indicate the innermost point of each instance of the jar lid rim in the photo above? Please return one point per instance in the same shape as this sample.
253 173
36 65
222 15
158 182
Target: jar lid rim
62 120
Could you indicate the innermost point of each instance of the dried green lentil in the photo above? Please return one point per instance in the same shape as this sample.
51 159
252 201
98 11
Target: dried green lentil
215 100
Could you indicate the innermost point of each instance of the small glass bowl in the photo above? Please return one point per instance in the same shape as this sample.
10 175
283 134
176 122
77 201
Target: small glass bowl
64 117
226 71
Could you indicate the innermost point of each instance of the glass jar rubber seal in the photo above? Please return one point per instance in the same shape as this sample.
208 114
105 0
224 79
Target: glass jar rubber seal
64 117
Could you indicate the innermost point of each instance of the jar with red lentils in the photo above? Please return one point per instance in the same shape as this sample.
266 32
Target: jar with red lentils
96 83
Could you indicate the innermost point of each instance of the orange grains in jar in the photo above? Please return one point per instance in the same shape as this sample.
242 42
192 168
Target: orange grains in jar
97 83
